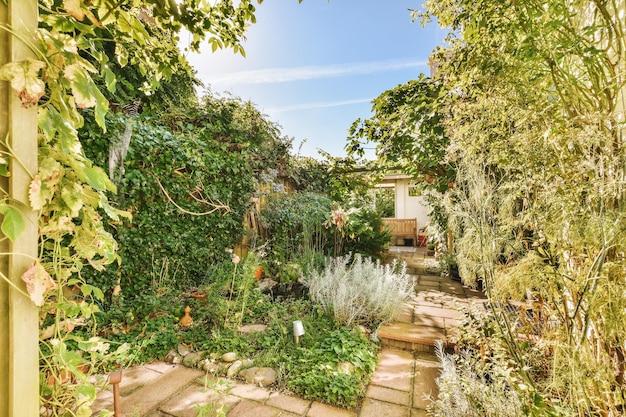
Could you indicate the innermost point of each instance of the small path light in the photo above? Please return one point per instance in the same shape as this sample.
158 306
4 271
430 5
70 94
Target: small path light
114 379
298 330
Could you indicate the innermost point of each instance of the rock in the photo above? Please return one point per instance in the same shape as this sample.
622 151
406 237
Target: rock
345 367
183 349
252 328
266 285
247 363
191 359
234 368
211 367
172 357
261 376
229 357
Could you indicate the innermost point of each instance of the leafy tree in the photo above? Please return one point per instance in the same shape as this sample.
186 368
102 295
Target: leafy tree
408 132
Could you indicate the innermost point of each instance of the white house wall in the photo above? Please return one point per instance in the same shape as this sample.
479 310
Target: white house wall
408 207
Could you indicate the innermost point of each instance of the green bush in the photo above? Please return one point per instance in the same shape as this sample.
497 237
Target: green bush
294 233
187 179
336 370
366 233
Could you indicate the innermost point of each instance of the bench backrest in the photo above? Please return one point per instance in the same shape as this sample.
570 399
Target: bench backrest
401 226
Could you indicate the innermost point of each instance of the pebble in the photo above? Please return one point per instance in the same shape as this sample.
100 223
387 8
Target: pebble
172 357
261 376
191 359
233 369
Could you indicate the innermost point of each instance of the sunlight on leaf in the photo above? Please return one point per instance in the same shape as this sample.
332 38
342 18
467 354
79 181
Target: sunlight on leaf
12 223
24 78
74 9
34 194
38 282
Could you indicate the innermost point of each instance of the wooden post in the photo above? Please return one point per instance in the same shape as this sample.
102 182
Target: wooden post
19 329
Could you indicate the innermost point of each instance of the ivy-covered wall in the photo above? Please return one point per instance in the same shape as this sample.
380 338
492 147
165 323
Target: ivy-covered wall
188 180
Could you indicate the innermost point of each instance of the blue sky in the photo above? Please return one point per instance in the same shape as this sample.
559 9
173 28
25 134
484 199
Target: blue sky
313 68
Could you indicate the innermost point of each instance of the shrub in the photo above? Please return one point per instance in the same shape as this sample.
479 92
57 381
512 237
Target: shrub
318 373
469 388
294 222
359 290
366 232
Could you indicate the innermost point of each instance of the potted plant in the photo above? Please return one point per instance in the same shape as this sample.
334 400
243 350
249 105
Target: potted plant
430 249
451 266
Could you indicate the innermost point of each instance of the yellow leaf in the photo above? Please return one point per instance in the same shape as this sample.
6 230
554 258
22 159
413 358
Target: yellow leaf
81 83
24 78
93 19
74 9
38 282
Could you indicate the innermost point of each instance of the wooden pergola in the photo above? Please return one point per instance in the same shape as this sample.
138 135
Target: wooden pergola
19 330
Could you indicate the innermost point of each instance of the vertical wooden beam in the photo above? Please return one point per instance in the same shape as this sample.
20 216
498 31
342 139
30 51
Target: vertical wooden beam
19 329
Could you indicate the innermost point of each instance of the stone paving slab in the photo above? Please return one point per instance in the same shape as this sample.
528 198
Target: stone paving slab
248 408
424 385
375 408
406 316
388 394
423 320
250 392
149 397
135 378
394 370
416 412
194 398
442 312
289 403
412 333
324 410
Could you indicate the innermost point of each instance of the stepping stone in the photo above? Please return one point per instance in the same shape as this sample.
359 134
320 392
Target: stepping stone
186 403
388 395
394 370
289 403
325 410
425 386
149 397
374 408
247 408
411 333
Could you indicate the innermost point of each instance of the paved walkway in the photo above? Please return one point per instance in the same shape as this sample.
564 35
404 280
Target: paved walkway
401 386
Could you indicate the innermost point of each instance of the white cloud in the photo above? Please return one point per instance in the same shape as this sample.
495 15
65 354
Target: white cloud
283 75
317 105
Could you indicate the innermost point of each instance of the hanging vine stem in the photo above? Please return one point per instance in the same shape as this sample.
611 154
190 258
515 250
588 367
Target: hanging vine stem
216 207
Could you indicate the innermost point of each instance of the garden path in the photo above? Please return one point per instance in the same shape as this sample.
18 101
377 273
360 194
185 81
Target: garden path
401 386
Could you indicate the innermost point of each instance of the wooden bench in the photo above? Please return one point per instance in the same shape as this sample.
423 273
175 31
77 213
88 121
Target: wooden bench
402 228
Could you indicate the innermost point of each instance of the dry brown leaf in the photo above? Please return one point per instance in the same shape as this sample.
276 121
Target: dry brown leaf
74 9
38 282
